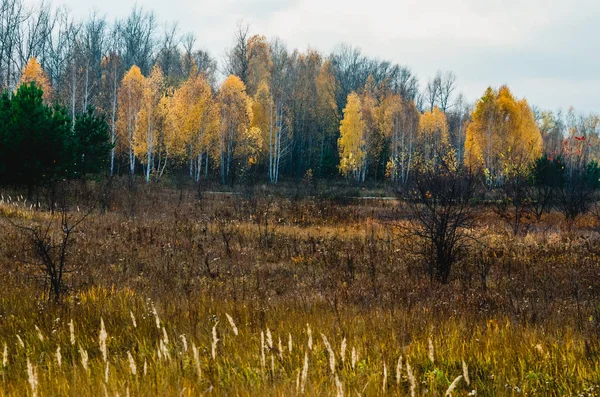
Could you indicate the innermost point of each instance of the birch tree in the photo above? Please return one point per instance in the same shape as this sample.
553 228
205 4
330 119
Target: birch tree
433 133
150 120
194 122
351 143
236 115
130 98
327 117
503 132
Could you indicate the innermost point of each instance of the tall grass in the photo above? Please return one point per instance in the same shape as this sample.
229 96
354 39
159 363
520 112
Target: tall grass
488 358
185 299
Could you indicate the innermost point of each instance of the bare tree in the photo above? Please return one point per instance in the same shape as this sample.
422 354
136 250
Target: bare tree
189 43
137 36
113 71
12 15
441 213
458 119
447 85
236 59
59 57
403 82
51 244
514 207
432 90
206 65
352 69
349 67
94 43
282 93
34 39
169 57
201 59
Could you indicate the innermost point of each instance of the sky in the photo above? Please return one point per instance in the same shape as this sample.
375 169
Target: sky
547 51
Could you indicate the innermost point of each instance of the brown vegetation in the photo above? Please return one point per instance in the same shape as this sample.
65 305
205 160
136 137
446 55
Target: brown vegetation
521 310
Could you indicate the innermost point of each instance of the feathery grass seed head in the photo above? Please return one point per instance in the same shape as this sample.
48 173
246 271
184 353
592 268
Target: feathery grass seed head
132 366
465 370
102 337
453 386
232 323
32 377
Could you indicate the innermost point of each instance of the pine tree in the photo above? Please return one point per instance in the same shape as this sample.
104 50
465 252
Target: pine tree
91 143
37 142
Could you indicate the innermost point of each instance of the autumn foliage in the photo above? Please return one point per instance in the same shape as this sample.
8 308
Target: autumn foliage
33 73
352 140
292 113
130 100
503 132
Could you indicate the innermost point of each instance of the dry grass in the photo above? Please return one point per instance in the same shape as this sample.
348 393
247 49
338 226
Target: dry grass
186 288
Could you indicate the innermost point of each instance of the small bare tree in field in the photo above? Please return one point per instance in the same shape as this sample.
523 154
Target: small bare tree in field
50 243
515 206
263 217
441 213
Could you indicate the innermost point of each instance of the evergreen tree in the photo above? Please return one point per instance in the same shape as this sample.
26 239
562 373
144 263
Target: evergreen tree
36 140
91 140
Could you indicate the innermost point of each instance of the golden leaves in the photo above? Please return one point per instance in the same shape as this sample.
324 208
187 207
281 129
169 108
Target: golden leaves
193 118
151 117
433 130
33 73
503 130
129 98
236 136
351 141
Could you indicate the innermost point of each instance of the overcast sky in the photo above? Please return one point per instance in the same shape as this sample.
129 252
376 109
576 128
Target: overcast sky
546 50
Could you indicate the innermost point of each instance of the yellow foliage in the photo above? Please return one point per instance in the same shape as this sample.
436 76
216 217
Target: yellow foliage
33 72
390 114
433 130
253 141
193 119
129 99
150 120
372 135
503 132
351 142
263 115
236 139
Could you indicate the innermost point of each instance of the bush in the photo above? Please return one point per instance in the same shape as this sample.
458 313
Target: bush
441 211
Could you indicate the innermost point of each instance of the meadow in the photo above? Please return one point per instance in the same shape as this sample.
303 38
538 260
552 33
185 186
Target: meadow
180 292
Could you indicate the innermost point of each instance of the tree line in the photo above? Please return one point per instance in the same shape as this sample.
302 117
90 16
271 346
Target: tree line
261 113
